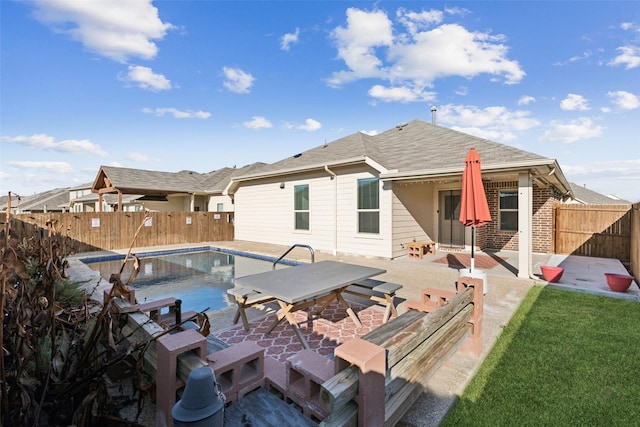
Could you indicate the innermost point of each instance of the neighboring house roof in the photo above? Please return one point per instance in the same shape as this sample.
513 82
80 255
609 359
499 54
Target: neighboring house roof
139 181
51 200
148 182
416 150
589 197
216 181
82 186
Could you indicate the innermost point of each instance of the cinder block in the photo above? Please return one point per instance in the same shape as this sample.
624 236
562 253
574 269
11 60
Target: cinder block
306 371
168 348
238 368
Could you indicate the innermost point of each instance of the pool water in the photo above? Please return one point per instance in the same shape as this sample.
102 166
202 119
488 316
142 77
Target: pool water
199 279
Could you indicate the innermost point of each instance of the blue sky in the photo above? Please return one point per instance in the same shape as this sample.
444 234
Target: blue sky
200 85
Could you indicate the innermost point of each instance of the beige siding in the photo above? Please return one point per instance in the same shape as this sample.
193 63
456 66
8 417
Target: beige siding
264 213
414 215
228 206
174 203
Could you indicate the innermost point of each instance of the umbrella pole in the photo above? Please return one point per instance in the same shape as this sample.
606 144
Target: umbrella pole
473 243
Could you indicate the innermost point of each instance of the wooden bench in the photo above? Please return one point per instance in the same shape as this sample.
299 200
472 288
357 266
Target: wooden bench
154 310
378 291
418 249
246 298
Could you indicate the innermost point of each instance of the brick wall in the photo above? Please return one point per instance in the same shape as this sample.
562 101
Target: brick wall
490 237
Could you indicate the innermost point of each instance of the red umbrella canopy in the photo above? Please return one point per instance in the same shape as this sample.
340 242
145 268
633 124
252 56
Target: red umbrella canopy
474 210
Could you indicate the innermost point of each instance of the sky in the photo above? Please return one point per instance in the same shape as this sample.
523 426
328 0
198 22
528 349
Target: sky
201 85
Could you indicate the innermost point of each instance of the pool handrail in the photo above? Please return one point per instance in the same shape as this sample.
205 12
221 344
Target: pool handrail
297 245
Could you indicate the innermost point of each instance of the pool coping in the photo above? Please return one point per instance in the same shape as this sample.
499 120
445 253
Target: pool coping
152 253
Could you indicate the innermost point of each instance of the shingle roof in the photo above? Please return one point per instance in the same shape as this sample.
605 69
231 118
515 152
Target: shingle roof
416 145
53 200
141 181
590 197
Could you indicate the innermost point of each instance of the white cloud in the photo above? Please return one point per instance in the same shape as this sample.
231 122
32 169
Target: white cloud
618 177
288 39
400 94
585 55
417 21
258 122
526 100
370 48
357 42
572 131
46 142
624 100
461 90
117 29
369 132
237 80
145 78
137 157
58 167
310 125
496 123
177 114
629 57
574 102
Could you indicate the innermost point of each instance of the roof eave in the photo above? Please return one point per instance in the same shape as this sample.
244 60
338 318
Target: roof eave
553 170
236 181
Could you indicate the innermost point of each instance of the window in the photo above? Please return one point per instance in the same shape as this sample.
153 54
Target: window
368 205
301 206
220 207
508 210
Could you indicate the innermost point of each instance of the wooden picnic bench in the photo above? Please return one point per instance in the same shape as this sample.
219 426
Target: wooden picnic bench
378 291
246 298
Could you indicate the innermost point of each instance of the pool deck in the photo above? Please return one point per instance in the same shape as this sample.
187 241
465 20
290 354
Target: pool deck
504 295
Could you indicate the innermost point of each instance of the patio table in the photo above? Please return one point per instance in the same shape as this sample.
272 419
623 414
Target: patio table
300 287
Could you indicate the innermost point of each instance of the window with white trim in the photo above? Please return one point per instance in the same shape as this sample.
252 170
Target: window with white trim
508 210
369 205
301 206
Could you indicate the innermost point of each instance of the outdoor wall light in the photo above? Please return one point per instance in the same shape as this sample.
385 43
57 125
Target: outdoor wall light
282 185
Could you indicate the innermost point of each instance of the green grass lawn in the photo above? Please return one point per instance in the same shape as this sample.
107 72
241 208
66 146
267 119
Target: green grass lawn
565 359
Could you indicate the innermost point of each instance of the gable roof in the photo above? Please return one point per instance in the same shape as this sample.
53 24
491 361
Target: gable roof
416 150
150 182
589 197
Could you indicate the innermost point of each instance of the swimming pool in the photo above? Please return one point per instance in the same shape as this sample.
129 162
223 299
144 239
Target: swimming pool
200 277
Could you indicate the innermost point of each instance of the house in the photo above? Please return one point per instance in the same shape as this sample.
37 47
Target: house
56 200
585 196
136 189
372 195
81 199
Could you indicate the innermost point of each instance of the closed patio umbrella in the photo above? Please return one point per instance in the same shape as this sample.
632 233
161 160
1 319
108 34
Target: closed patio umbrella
474 210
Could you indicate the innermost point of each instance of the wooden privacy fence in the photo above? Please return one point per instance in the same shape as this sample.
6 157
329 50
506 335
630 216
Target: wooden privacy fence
602 231
95 231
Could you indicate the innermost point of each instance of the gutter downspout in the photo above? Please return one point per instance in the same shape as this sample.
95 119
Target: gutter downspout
334 178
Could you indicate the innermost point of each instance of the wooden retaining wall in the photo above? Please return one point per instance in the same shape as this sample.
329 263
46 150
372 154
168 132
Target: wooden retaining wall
385 371
97 231
602 231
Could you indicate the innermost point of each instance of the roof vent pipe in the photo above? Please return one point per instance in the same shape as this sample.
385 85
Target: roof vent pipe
433 115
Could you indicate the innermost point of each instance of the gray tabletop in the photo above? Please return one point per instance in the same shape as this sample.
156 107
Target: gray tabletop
295 284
